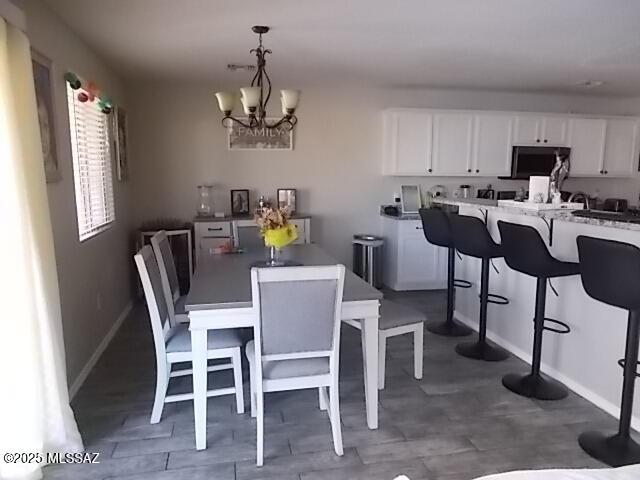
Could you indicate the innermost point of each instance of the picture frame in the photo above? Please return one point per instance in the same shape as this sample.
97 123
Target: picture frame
240 203
44 88
120 141
287 197
259 138
410 198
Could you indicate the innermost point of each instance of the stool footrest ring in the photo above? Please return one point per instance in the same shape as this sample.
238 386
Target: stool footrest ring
462 283
565 328
621 362
497 299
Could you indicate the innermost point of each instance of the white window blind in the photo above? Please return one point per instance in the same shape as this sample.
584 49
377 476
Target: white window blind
93 178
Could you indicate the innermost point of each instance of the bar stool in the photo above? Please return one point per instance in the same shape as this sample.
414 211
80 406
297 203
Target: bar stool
471 237
525 252
611 274
437 231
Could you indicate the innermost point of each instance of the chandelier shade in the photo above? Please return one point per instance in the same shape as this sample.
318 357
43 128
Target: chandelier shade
254 98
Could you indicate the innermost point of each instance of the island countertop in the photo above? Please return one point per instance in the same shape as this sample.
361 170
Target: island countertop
563 215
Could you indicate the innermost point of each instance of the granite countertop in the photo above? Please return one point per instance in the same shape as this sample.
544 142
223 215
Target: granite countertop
561 215
231 218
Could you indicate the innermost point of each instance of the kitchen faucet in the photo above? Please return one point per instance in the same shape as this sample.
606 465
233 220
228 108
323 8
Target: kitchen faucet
581 197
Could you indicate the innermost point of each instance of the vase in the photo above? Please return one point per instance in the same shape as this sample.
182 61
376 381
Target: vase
274 260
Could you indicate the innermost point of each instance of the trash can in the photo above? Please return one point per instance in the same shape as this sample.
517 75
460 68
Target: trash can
367 258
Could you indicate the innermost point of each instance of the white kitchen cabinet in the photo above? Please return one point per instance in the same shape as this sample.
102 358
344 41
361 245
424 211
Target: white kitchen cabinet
410 262
468 143
408 138
621 148
452 141
541 130
587 142
554 130
492 145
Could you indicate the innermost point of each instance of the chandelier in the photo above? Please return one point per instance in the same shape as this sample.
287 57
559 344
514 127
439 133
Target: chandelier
255 98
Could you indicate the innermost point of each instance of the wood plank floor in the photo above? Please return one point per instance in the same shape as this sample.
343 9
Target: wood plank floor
455 424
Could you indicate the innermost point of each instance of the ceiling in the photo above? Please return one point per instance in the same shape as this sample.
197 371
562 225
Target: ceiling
520 45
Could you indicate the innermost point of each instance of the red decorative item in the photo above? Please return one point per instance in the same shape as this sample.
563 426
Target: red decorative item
83 97
92 91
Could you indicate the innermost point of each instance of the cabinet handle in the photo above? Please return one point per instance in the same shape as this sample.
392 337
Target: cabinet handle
477 170
469 170
545 140
418 228
219 229
601 172
429 170
606 172
537 140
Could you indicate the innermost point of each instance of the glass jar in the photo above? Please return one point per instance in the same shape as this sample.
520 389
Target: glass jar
205 200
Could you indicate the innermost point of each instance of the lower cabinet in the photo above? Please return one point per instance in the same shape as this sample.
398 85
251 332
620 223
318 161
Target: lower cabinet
410 262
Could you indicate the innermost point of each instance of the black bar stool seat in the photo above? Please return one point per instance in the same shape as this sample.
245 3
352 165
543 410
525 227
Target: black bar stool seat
525 252
611 274
437 231
471 237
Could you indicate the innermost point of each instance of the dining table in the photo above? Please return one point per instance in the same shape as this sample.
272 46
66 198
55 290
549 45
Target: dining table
220 298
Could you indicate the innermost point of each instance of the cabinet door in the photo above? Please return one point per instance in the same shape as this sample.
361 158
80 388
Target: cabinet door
452 143
492 145
621 148
409 137
419 263
528 130
554 131
586 139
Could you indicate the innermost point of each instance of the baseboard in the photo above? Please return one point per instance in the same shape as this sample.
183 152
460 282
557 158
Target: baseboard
86 370
590 395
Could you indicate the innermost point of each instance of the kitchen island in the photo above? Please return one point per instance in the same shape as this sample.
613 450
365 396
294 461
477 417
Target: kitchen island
585 360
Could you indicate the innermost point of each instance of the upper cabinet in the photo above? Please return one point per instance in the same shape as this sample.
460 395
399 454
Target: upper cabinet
541 130
408 138
587 140
621 148
428 142
492 145
452 136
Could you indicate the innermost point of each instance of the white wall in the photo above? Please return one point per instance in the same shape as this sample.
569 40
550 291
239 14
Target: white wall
178 142
100 266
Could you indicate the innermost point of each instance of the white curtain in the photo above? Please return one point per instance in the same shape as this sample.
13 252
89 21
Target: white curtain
35 416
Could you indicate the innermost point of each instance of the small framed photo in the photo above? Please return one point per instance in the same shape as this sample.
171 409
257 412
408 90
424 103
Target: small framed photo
410 198
240 204
287 198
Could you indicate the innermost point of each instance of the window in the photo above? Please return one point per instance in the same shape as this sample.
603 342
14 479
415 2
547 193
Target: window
93 179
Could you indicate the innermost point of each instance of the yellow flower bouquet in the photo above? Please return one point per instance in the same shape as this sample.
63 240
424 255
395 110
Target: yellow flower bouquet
276 230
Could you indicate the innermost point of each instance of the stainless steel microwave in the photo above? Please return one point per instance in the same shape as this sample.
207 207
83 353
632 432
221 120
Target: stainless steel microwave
528 161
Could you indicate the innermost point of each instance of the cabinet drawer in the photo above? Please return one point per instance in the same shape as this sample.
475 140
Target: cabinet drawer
213 229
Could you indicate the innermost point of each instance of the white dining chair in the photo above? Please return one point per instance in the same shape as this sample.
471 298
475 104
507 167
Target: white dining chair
173 342
168 274
297 339
397 319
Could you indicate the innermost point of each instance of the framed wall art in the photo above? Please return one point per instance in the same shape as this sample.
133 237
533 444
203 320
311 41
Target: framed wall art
259 138
43 81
